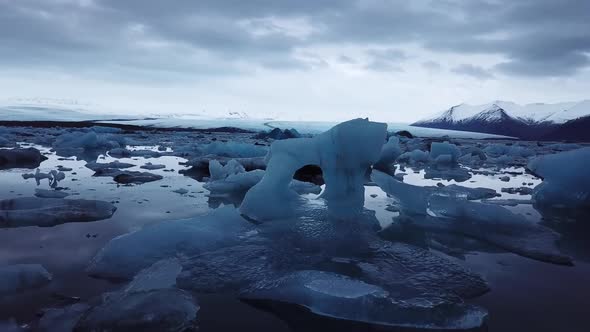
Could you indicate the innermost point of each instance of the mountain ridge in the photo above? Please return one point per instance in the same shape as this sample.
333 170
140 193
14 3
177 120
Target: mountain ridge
530 121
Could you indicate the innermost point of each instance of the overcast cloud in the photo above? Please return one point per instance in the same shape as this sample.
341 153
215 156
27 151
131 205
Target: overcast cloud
328 59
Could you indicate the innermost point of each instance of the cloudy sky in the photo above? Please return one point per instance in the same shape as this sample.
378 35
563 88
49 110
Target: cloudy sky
391 60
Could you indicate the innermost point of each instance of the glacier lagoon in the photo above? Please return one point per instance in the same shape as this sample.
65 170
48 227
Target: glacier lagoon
416 264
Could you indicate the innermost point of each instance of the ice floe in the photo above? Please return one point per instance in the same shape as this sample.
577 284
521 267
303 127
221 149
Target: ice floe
46 212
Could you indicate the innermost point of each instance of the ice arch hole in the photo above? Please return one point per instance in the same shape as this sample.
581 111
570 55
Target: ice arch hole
310 173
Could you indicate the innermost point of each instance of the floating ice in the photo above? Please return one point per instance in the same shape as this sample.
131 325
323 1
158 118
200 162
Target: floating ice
497 225
126 255
53 176
444 153
443 172
21 277
566 180
234 150
4 142
46 212
248 163
415 156
62 319
344 154
411 271
235 183
127 177
20 158
113 164
88 141
160 275
338 296
233 179
149 303
519 190
488 222
151 166
124 153
278 134
389 153
44 193
220 172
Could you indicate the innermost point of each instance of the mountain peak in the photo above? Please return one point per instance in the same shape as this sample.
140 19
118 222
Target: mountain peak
508 118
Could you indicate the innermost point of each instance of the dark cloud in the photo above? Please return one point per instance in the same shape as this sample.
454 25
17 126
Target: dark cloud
473 71
385 59
535 37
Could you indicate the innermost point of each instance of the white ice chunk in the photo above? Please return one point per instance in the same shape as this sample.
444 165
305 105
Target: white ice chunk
344 154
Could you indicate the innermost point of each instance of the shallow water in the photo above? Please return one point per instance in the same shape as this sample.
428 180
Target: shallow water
525 294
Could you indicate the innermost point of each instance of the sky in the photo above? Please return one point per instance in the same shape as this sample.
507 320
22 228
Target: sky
389 60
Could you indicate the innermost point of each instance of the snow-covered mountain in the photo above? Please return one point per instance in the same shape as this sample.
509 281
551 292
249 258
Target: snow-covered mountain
507 118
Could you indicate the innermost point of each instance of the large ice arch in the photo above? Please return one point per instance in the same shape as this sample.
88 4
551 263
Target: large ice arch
344 153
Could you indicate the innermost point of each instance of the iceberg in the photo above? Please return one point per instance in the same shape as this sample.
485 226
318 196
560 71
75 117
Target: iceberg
220 172
46 212
150 302
249 164
20 158
88 141
233 150
434 209
389 153
126 255
415 156
566 180
444 153
339 296
344 154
